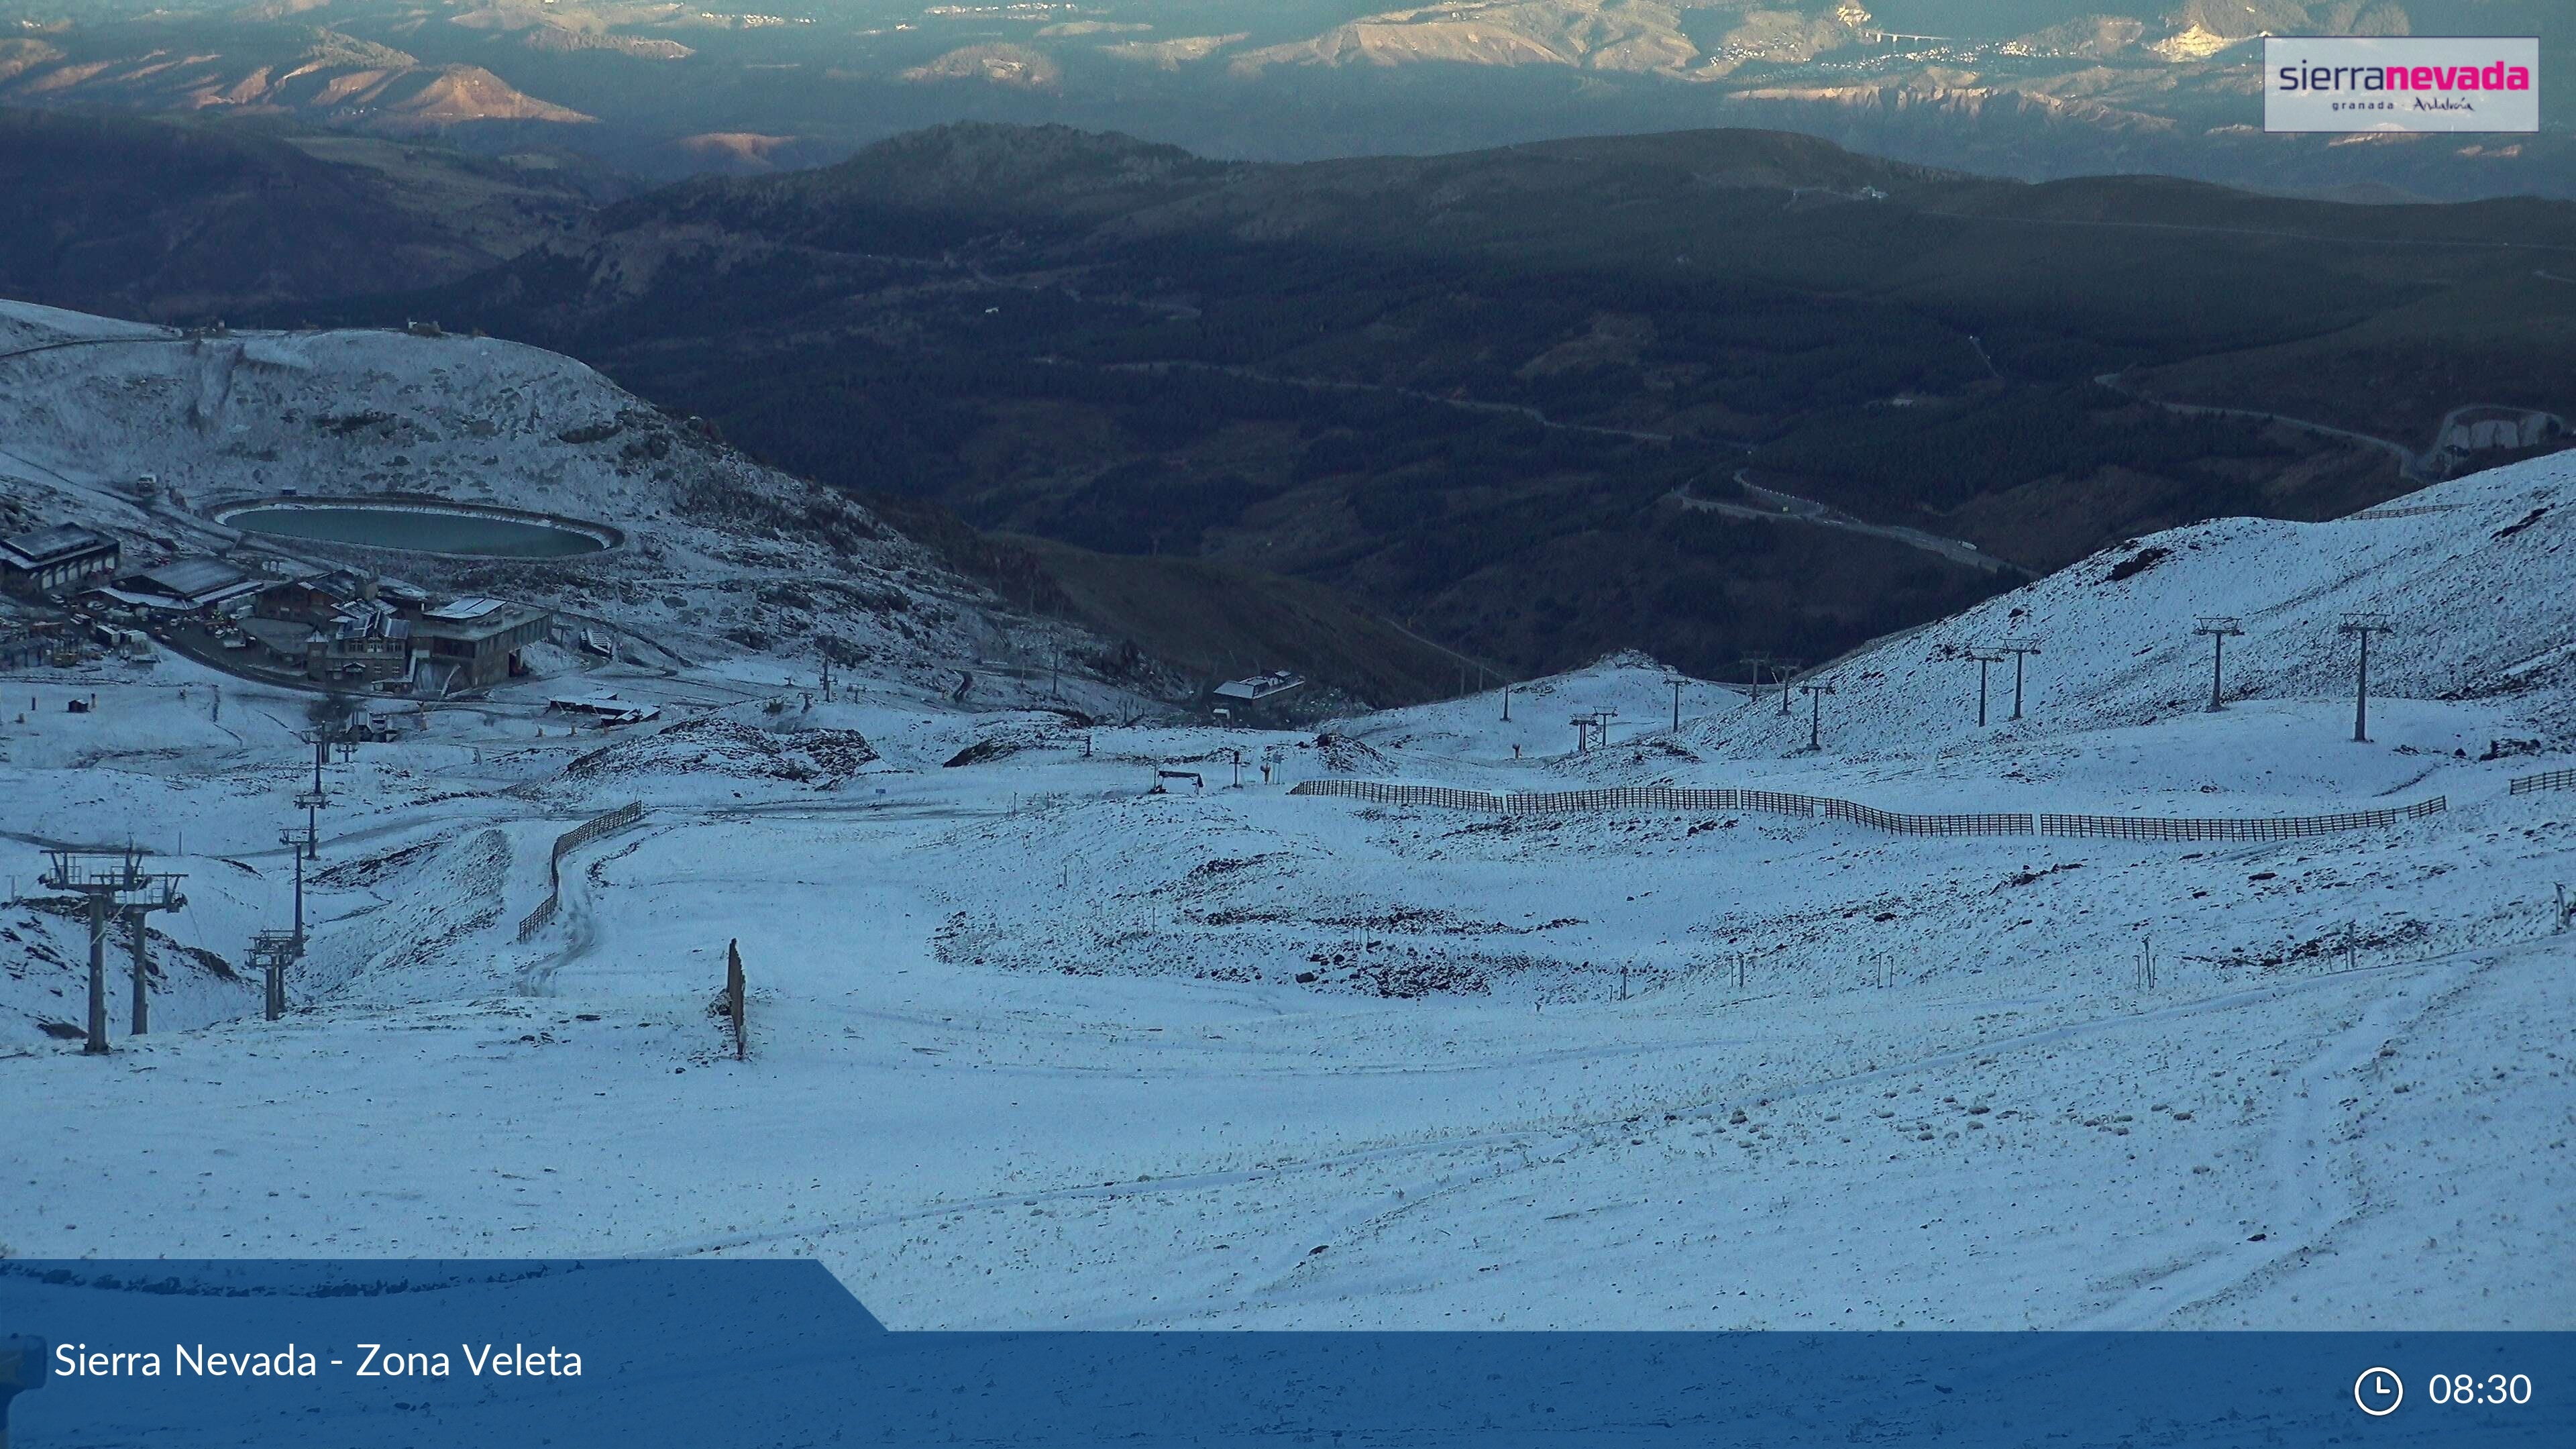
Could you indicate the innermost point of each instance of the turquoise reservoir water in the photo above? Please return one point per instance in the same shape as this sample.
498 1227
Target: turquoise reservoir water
419 530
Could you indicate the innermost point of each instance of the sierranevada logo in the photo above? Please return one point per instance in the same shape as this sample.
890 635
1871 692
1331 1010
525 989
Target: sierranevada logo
2401 83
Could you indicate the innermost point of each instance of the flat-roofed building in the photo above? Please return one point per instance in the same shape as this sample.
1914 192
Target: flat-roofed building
473 643
188 585
65 556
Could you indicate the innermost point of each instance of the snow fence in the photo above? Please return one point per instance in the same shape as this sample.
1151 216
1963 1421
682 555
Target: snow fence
1666 797
2128 827
2546 780
582 834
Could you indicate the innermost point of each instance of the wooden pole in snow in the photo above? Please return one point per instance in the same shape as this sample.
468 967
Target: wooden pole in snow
733 998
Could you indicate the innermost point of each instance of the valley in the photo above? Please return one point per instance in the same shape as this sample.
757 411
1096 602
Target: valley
1462 390
1601 720
1067 1024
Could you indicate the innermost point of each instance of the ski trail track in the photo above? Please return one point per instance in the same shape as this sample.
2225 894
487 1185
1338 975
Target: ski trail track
2303 1120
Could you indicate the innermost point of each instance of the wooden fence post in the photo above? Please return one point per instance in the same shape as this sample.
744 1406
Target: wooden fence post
733 998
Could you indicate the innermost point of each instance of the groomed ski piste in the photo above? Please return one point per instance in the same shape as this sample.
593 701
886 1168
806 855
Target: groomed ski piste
1030 1046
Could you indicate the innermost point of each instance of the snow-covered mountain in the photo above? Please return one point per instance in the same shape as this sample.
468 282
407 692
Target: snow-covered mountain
722 557
1064 1027
316 75
2472 578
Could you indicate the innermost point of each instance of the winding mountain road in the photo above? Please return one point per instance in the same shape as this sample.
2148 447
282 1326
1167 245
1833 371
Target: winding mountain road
2411 466
1808 510
1324 384
2418 468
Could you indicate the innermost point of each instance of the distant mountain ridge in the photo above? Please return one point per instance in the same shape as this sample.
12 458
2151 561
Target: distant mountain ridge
2034 89
178 221
978 175
1505 395
1714 40
311 74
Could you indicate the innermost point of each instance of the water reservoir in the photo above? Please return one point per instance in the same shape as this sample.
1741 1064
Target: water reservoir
423 527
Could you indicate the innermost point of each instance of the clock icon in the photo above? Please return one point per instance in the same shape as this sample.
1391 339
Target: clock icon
2378 1391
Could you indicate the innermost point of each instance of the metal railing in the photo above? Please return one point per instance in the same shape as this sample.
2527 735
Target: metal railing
580 835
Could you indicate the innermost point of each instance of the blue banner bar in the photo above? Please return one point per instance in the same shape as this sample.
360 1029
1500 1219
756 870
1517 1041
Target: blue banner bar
575 1354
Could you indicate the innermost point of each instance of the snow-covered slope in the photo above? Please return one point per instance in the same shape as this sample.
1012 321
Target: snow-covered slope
1032 1046
2476 577
722 556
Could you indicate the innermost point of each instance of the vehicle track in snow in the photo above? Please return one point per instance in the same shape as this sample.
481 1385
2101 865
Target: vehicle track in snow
1550 1142
575 916
2316 1180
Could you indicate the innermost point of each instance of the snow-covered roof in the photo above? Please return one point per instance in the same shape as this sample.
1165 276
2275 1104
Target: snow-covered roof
481 619
608 706
126 597
50 545
198 579
1260 686
369 619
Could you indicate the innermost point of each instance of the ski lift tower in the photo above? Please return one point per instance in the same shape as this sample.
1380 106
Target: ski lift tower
114 883
1983 659
1755 664
2363 625
2220 629
1815 691
272 952
312 801
1782 670
2020 650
